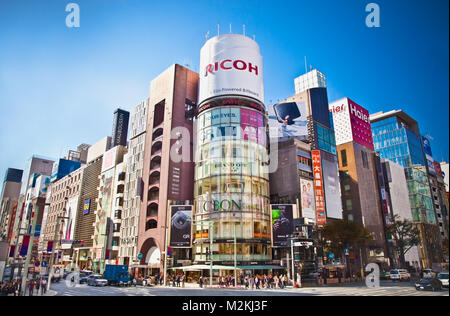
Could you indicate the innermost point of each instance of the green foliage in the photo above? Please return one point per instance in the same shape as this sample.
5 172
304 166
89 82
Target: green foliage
405 235
339 235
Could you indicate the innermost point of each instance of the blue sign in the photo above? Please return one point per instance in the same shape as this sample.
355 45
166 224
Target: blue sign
331 255
346 251
44 264
140 256
37 263
86 207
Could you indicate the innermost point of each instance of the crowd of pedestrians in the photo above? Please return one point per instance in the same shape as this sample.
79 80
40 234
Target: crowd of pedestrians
264 281
32 287
10 288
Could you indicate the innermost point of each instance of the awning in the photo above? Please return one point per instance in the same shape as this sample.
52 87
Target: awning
262 267
200 267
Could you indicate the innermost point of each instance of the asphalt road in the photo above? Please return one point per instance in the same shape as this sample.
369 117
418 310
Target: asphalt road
386 289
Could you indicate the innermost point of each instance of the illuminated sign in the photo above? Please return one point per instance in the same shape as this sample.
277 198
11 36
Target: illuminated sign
321 217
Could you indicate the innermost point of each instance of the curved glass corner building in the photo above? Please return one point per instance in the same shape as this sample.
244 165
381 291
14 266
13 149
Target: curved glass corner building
231 171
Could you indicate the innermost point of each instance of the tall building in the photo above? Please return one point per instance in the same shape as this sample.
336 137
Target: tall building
437 185
106 237
305 116
133 185
310 80
120 128
8 201
360 186
445 175
232 179
87 204
397 137
61 212
35 167
166 180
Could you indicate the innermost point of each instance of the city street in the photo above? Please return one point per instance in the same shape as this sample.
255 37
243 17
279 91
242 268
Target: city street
386 289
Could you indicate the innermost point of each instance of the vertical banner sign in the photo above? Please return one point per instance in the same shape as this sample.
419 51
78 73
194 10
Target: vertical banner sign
318 188
25 243
282 224
11 251
180 226
86 207
49 246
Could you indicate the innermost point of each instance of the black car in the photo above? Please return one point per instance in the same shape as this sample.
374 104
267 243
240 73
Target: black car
429 284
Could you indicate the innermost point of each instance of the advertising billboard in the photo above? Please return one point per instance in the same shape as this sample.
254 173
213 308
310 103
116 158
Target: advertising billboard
231 64
307 199
351 123
63 167
288 119
321 217
282 224
69 223
109 159
332 189
428 155
180 226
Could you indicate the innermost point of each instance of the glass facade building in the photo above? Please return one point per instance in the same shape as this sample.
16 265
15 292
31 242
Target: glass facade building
396 137
232 184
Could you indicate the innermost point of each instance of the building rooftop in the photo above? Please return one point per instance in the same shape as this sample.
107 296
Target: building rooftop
394 113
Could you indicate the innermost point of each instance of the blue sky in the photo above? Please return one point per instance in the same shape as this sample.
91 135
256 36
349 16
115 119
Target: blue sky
60 86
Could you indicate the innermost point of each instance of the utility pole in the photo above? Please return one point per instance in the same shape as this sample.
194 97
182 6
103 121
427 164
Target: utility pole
211 253
34 216
292 262
165 257
235 257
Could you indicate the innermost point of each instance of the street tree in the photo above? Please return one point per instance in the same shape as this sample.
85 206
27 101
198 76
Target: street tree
405 235
343 234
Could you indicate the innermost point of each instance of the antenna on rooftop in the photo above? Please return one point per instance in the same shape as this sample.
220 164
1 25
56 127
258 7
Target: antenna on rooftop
207 35
244 29
218 29
230 28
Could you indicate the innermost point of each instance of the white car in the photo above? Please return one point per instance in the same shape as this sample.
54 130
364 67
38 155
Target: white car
399 275
443 277
96 280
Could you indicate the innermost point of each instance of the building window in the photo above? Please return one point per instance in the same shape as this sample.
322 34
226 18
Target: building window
365 159
348 205
350 217
344 158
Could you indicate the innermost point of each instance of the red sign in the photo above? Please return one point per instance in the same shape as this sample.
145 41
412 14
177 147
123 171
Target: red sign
321 217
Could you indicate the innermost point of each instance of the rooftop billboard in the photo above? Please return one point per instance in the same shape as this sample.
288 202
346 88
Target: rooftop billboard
231 64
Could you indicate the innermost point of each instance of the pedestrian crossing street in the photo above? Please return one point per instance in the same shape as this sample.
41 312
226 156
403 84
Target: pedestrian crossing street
364 291
403 290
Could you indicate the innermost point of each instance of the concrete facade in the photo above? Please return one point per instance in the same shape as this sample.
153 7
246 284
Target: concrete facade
164 181
133 185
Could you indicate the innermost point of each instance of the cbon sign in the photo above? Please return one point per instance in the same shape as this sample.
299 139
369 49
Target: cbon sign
231 65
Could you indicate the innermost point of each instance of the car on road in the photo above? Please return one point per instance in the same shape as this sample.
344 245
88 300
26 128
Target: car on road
428 273
399 275
427 284
443 277
96 280
83 276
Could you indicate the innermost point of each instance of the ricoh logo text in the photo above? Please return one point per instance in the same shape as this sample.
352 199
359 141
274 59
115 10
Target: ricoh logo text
229 64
